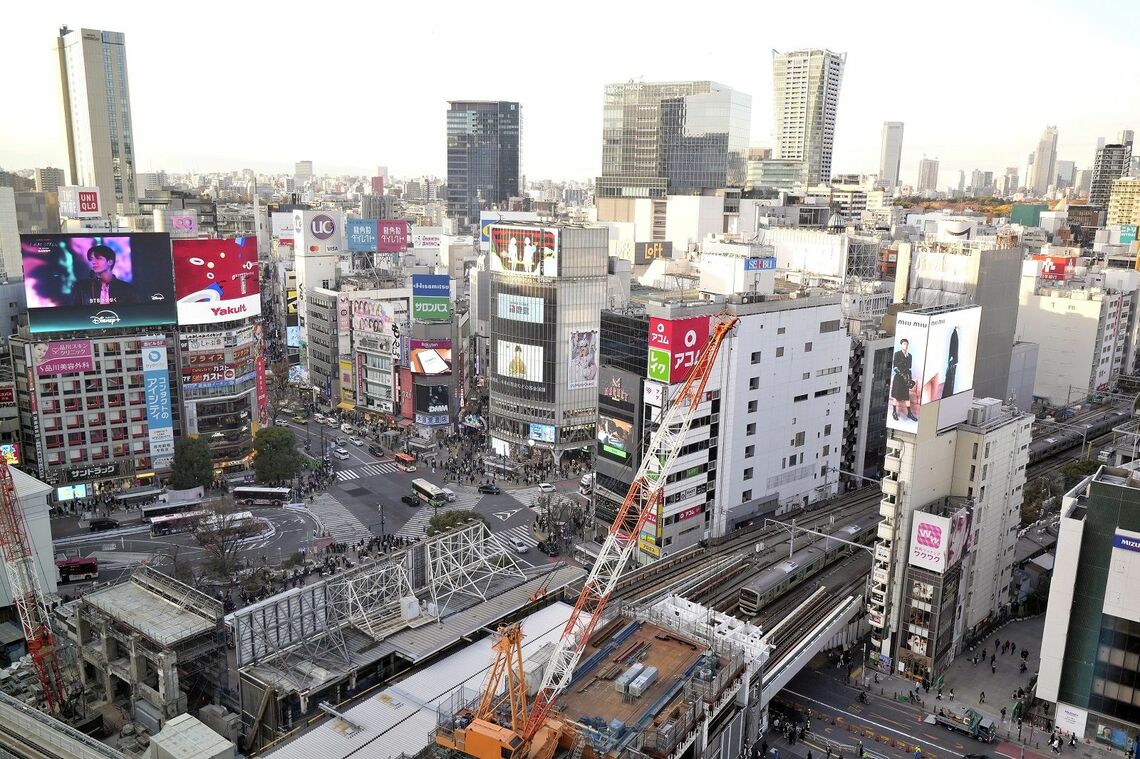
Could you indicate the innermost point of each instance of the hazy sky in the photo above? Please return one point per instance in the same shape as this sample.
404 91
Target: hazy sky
229 85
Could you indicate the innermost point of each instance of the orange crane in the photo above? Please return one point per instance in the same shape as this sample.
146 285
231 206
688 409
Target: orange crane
489 732
23 577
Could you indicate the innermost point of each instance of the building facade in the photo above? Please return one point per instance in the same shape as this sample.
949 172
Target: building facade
484 156
1111 163
1124 201
97 114
1043 172
805 86
661 138
890 154
927 175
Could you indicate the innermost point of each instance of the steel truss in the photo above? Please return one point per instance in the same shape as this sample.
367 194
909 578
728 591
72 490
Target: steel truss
466 562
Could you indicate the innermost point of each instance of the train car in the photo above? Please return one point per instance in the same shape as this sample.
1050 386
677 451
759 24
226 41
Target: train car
805 563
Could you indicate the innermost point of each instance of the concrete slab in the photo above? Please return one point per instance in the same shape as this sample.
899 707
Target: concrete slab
151 615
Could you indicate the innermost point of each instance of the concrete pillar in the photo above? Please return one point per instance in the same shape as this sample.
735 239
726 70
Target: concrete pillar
168 678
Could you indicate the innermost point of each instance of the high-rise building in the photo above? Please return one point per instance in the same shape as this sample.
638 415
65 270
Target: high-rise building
1044 163
806 98
97 114
928 175
1065 172
671 138
890 154
484 142
1009 181
1112 162
303 170
1124 202
49 179
1092 625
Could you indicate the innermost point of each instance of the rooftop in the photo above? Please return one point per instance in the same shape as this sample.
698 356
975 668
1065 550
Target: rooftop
184 737
158 607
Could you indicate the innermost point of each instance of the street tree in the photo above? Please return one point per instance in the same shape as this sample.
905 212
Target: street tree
221 538
276 458
192 466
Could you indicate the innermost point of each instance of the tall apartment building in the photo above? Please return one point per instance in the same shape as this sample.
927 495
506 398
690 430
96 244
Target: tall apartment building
377 207
928 175
1111 163
951 493
662 138
1009 181
964 274
10 260
1124 202
1082 333
1043 173
484 156
865 416
97 114
303 171
805 100
765 439
50 179
1089 667
890 154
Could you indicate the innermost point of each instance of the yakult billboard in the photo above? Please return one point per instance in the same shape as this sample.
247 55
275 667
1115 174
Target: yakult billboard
929 541
216 280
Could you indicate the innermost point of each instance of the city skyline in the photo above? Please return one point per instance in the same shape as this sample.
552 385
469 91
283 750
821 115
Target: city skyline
353 134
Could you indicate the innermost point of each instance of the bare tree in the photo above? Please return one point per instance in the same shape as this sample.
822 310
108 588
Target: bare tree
221 536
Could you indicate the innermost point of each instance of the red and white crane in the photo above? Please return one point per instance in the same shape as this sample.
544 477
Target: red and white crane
27 594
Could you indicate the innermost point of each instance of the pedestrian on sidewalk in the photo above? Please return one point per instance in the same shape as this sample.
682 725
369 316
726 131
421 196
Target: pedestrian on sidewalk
983 698
997 642
939 696
993 668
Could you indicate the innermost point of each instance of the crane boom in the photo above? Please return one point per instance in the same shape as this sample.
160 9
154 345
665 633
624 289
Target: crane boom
27 595
619 544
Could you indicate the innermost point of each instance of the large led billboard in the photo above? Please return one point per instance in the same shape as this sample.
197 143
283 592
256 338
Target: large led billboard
430 356
929 541
582 371
614 437
519 361
521 308
216 280
488 219
433 404
933 360
674 346
83 282
524 250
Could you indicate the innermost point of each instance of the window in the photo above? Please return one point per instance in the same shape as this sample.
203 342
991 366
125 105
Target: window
831 325
748 473
756 357
780 330
799 439
973 471
827 429
752 407
806 375
746 496
807 347
974 454
750 429
799 398
749 451
827 450
780 351
754 383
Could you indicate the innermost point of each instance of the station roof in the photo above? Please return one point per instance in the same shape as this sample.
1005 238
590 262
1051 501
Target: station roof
138 604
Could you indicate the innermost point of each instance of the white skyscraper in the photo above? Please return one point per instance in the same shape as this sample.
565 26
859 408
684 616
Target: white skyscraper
97 114
806 97
1044 163
890 156
928 175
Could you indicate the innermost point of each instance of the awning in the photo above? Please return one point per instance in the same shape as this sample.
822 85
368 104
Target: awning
406 423
346 406
140 493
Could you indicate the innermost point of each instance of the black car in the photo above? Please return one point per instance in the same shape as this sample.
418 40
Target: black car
550 549
410 500
490 489
101 525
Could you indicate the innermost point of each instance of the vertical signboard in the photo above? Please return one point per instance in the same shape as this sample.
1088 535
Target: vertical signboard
343 315
262 380
674 345
346 382
160 420
929 541
582 371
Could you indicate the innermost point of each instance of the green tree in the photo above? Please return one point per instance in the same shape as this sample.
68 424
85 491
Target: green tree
448 519
275 455
192 466
1077 470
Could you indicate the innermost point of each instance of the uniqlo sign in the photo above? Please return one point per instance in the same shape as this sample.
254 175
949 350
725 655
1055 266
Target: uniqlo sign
674 346
89 202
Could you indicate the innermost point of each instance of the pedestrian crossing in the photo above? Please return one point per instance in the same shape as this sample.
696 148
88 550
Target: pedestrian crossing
414 527
525 496
338 522
507 537
372 470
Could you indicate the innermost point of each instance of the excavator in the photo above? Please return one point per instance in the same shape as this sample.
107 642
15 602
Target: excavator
503 723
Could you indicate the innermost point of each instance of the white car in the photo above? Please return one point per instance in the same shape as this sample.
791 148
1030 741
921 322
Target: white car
341 454
356 440
546 487
519 546
319 418
347 428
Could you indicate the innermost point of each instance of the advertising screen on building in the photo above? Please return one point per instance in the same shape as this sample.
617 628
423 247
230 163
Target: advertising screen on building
524 250
159 417
393 236
293 337
1057 267
929 541
291 304
519 361
431 297
85 282
79 202
674 346
10 452
614 437
216 280
908 360
430 356
582 371
960 524
7 395
543 433
360 235
488 219
433 404
614 390
521 308
62 357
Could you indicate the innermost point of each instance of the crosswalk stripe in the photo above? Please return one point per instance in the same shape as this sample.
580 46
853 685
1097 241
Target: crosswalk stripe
369 470
341 524
346 474
414 527
518 532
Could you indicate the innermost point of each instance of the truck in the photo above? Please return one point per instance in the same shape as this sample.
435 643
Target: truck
969 721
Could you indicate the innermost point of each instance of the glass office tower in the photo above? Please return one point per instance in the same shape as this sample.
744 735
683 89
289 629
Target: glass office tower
483 149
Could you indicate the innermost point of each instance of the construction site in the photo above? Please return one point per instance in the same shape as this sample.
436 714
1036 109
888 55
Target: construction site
449 648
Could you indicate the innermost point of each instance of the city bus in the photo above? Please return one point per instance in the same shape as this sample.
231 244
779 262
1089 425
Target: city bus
236 523
254 495
74 570
152 512
428 493
172 524
405 462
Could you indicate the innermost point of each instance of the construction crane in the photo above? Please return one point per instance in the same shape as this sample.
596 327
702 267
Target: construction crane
489 732
23 577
